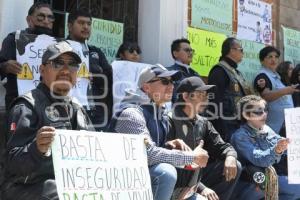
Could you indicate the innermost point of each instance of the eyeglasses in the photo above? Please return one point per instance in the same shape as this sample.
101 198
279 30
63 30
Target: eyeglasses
131 50
41 17
239 49
260 111
189 50
163 81
272 56
59 64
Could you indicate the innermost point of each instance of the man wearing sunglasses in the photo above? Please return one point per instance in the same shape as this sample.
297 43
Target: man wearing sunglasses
142 112
40 21
100 90
182 53
218 179
230 87
33 119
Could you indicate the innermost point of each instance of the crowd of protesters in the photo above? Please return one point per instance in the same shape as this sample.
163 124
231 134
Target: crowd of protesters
221 140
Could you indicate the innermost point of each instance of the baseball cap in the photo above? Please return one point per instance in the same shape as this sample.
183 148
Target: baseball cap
55 50
156 70
192 84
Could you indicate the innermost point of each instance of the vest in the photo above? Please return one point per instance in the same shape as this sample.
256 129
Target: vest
236 90
275 118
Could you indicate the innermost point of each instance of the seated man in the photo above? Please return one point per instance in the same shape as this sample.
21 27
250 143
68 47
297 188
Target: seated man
218 179
143 113
32 121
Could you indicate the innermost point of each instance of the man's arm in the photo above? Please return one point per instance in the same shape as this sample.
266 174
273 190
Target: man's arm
22 145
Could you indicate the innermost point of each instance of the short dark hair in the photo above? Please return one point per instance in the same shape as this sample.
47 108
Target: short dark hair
78 13
245 104
38 5
128 46
266 50
226 46
176 45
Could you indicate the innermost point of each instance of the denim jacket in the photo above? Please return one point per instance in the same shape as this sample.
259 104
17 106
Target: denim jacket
256 147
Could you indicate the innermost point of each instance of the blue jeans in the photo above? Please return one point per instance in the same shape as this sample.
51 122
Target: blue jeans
197 196
247 191
163 180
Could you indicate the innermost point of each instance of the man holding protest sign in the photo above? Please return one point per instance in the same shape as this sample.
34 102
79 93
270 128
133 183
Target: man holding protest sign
100 90
40 20
33 119
143 112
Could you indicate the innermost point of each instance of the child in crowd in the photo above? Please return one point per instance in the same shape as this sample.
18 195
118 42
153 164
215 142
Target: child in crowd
258 148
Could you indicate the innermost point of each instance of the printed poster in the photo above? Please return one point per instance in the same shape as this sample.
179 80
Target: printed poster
29 51
292 124
254 21
106 35
291 41
102 166
214 16
207 46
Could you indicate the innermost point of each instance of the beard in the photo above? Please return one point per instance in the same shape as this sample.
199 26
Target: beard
39 30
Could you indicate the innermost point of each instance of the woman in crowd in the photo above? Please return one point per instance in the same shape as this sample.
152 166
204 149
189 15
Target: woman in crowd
129 51
285 69
295 79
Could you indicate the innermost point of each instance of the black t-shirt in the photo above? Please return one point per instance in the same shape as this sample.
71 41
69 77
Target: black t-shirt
260 88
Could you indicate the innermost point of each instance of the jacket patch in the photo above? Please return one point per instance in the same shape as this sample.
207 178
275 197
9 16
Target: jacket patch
52 113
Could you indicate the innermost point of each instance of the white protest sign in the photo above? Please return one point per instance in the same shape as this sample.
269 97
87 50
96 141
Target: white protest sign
125 76
292 123
93 165
254 21
29 51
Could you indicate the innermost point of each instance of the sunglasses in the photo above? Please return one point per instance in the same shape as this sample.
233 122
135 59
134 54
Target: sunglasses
131 50
239 49
189 50
260 111
59 64
41 17
163 81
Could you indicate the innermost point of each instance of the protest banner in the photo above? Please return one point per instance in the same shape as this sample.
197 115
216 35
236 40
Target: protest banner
250 64
207 46
125 78
292 124
215 16
254 21
29 52
291 42
106 35
102 166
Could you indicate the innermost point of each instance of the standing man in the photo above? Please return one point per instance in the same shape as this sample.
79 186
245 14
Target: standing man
40 20
100 90
33 119
230 87
143 113
218 179
182 53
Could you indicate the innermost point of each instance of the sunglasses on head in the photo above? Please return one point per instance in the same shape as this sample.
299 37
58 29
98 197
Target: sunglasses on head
260 111
163 81
41 17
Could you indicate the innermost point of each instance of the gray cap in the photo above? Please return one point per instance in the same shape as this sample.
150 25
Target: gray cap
156 70
55 50
192 84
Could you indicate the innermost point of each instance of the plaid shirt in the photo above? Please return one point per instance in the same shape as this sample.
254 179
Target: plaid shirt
132 121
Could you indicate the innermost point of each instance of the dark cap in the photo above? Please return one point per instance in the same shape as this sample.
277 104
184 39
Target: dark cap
157 70
192 84
55 50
